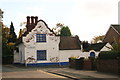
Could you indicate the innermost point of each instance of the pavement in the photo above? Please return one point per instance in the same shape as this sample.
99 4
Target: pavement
55 73
84 74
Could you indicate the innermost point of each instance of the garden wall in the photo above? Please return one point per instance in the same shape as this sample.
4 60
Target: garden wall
111 66
82 64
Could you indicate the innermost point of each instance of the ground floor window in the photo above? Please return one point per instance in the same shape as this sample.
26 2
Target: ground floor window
41 54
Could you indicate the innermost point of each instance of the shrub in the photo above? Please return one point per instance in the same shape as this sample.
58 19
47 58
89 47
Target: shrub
116 47
74 57
109 55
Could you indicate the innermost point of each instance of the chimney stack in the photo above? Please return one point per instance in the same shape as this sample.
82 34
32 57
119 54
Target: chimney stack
36 19
32 19
31 22
28 20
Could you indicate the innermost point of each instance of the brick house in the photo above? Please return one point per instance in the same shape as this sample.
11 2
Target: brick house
113 34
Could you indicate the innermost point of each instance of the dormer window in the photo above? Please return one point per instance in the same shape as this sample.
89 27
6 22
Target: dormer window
40 37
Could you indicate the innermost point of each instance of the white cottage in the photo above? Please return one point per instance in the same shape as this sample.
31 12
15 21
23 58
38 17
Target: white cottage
94 49
39 45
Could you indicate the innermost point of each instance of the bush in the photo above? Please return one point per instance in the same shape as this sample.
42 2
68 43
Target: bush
74 57
109 55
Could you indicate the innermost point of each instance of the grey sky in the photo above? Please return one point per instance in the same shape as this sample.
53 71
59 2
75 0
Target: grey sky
86 18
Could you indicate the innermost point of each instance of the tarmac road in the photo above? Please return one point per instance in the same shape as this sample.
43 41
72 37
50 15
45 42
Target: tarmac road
13 72
54 73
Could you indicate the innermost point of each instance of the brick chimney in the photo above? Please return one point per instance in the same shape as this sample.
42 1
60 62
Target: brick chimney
31 22
28 21
36 19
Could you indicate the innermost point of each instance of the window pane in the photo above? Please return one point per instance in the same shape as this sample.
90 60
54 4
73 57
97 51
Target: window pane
41 54
41 38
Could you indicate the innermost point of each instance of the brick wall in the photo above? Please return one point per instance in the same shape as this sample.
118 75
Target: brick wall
111 66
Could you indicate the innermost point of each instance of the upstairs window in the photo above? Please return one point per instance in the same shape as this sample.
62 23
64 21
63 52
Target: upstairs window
40 37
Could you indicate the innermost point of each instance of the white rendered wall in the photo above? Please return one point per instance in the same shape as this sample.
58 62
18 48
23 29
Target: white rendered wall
66 54
19 57
51 45
107 47
87 54
16 57
22 53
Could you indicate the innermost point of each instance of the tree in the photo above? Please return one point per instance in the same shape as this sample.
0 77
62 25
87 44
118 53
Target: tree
98 39
62 30
85 44
58 28
7 48
65 31
116 47
5 34
12 33
5 37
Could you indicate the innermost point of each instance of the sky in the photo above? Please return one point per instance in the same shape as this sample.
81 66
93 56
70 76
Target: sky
85 18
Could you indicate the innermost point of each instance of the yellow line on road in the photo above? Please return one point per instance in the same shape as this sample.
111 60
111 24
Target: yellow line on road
51 74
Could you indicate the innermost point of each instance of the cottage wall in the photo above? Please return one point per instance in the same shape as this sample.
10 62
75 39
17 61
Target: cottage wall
16 57
64 55
22 53
51 45
19 57
107 47
87 54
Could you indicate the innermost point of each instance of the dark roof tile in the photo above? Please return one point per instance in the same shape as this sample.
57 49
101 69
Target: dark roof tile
96 46
69 43
117 28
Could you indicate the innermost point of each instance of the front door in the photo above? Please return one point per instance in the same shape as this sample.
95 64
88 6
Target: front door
92 54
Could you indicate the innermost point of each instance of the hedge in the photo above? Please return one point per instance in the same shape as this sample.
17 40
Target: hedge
109 55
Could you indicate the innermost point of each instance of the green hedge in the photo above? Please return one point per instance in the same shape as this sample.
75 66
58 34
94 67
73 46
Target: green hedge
109 55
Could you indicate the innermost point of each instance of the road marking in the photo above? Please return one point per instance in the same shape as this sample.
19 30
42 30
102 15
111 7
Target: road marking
51 74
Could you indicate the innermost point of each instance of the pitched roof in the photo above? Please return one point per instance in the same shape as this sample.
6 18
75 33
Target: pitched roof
69 43
66 43
32 26
116 28
96 46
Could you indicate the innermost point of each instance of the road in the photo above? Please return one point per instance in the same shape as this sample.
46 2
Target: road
54 73
9 71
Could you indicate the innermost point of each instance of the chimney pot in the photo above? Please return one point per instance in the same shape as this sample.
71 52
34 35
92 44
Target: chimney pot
28 20
32 19
36 19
